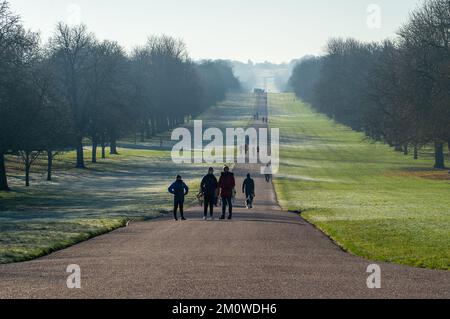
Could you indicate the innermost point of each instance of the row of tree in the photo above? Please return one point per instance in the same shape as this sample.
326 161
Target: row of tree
54 96
396 91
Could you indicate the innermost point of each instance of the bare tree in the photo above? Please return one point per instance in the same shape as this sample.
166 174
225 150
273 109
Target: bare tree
52 97
110 109
72 47
427 34
17 47
397 91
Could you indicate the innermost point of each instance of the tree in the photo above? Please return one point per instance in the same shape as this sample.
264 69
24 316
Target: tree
217 79
396 91
168 60
110 112
396 100
72 48
168 87
44 124
341 89
17 46
53 97
304 78
427 34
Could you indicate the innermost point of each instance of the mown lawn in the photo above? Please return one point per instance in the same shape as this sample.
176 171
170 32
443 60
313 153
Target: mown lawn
80 204
373 201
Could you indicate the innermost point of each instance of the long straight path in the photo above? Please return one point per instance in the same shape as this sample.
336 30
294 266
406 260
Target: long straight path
261 253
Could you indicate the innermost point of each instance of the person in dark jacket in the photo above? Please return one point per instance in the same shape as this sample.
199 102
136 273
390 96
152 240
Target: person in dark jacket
209 187
268 174
227 183
179 189
248 188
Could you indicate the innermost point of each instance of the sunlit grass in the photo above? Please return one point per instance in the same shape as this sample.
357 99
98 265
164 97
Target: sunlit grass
80 204
373 201
22 240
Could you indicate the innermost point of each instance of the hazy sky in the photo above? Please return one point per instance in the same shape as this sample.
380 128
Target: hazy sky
274 30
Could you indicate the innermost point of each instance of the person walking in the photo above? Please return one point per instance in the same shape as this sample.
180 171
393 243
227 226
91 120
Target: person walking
268 173
248 188
227 183
209 187
179 189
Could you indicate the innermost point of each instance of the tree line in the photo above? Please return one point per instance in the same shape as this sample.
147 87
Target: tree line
54 96
396 91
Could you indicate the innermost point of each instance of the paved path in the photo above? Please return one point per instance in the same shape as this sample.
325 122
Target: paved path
262 253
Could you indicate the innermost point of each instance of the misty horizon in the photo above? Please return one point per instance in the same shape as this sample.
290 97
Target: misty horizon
127 129
228 31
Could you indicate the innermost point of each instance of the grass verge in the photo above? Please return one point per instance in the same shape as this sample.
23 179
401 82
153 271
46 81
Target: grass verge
374 202
80 204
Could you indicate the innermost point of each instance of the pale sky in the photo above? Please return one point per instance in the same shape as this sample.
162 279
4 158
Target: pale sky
272 30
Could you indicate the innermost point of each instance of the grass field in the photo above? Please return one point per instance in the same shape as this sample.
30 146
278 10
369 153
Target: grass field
374 202
80 204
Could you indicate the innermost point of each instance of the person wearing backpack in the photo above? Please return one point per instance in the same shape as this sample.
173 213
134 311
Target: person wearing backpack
248 188
209 187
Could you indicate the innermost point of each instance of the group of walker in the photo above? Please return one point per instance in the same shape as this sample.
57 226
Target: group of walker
263 119
211 192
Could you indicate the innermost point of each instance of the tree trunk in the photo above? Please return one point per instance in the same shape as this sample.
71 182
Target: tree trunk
158 125
416 152
3 177
113 146
153 126
103 150
49 165
103 145
80 154
148 129
142 135
161 125
398 148
94 149
113 150
439 155
27 169
449 148
405 150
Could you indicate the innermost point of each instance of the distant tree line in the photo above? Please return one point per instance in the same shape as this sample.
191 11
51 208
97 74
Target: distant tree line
54 96
397 91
